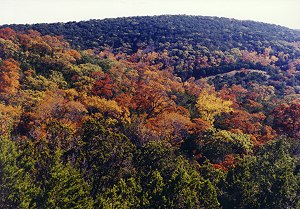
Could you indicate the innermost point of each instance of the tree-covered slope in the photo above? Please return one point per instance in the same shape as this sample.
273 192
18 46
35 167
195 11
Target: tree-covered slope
194 45
99 129
132 33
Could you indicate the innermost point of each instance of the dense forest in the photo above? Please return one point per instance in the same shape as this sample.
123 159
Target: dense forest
150 112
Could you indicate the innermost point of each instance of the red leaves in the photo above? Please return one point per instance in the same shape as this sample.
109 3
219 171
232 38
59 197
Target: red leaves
104 87
230 161
287 119
8 34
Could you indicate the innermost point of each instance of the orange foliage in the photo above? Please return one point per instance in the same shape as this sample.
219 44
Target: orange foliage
8 34
234 94
104 87
74 54
9 77
243 122
152 100
200 125
9 118
230 161
287 118
54 107
264 59
247 117
170 126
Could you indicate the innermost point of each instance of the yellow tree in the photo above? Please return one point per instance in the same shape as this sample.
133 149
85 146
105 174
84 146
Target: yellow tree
110 109
209 105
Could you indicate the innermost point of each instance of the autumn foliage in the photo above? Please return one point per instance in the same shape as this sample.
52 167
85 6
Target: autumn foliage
126 128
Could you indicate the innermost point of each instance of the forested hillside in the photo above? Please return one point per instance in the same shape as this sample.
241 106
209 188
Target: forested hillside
195 46
150 112
133 33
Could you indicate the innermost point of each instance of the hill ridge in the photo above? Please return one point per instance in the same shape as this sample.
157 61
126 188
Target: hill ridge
79 33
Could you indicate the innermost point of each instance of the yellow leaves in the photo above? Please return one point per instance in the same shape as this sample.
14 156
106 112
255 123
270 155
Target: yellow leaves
39 83
71 94
97 104
28 99
209 105
84 75
106 107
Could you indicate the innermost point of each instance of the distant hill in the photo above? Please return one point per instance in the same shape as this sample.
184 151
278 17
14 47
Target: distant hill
195 46
132 33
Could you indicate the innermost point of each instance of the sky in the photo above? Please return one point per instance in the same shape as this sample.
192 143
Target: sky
280 12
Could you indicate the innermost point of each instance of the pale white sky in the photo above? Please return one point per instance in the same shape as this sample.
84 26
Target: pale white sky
281 12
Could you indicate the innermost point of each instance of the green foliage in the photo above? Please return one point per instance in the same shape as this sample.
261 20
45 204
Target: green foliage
155 156
169 181
219 143
107 156
58 78
16 188
39 83
160 30
267 180
187 190
8 48
154 191
125 194
66 188
215 176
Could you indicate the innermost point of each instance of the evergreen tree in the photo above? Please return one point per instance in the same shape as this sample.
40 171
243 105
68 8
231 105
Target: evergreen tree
107 156
66 188
267 180
125 194
154 191
186 189
15 186
170 181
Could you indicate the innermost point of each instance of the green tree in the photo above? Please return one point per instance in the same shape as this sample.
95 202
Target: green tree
125 194
107 156
186 189
216 144
16 190
154 191
154 156
268 180
168 180
66 188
